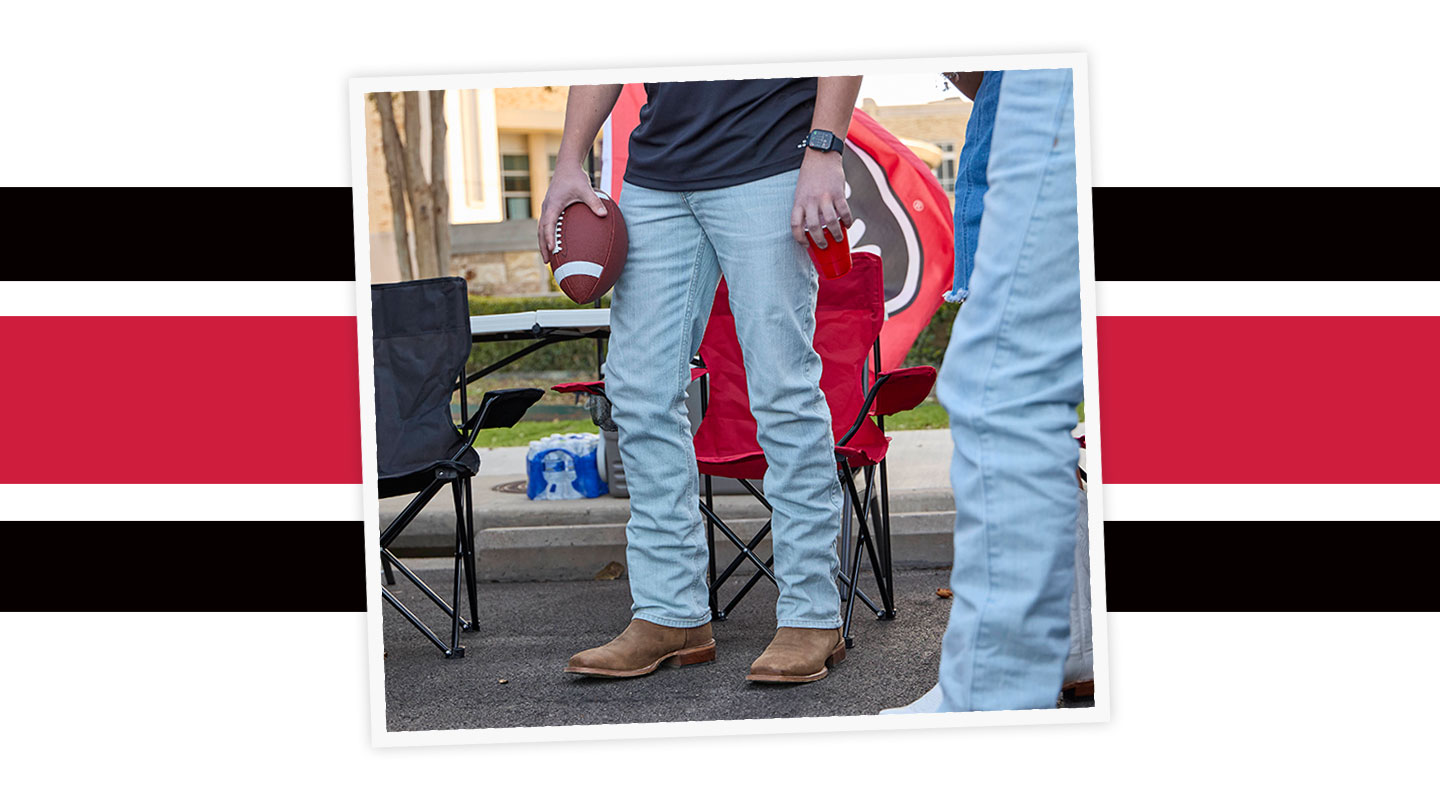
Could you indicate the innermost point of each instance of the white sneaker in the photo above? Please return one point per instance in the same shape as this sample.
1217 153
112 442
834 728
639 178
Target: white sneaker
929 703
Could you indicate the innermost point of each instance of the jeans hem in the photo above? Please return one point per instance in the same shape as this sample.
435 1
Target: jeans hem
673 622
808 623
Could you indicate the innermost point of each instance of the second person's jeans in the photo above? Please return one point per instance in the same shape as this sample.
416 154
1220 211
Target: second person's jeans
680 245
1010 382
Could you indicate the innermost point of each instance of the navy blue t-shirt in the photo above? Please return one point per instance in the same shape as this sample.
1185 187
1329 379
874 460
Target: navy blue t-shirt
713 134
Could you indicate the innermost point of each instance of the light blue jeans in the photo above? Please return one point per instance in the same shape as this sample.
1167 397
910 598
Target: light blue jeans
680 245
1010 382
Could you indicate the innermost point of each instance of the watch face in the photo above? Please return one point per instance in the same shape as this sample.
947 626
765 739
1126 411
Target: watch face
822 139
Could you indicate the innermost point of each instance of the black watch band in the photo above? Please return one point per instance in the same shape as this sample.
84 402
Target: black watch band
824 141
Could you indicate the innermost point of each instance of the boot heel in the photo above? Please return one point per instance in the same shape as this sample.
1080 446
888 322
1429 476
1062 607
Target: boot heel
693 655
836 656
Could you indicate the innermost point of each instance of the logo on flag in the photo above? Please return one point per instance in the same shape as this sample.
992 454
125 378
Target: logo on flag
903 216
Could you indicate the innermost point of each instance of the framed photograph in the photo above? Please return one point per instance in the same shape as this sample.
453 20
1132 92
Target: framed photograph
730 399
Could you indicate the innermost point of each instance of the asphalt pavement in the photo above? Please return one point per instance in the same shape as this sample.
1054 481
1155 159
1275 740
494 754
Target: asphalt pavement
511 675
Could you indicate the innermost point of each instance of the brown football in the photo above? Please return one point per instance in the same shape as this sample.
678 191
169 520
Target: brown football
589 250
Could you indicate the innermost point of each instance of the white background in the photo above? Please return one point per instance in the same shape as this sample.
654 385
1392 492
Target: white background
1243 94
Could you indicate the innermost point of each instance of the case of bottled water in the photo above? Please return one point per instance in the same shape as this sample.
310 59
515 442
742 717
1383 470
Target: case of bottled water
562 466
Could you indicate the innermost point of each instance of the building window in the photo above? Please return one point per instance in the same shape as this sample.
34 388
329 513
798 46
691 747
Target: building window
945 173
515 185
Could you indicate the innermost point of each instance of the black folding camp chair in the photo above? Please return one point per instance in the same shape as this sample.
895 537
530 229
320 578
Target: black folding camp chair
422 341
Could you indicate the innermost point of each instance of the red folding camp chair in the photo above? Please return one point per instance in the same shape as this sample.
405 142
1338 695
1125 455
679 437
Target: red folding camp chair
850 312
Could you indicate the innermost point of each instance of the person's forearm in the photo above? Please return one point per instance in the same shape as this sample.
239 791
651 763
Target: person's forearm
834 103
820 186
585 111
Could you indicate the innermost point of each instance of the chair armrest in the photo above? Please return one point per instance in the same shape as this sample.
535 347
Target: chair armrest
596 388
865 407
501 408
903 390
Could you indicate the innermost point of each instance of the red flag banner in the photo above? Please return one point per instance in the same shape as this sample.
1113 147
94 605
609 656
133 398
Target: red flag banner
903 216
615 145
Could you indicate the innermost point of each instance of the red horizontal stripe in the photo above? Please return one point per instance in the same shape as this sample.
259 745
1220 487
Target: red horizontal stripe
179 400
1270 399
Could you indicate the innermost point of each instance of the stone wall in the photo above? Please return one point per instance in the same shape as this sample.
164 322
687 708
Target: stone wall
503 274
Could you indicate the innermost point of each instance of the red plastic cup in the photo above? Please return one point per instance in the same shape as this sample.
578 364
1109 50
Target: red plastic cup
834 260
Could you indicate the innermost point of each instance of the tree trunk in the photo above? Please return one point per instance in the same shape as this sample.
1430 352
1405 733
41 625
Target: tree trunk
395 177
439 186
422 202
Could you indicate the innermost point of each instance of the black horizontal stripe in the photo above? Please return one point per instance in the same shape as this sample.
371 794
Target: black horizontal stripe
307 233
1274 234
189 233
183 566
1272 566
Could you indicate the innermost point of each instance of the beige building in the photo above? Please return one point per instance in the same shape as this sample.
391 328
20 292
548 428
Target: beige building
500 154
934 131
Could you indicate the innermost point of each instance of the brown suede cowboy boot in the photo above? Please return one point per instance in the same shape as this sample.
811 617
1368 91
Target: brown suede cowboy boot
798 655
642 647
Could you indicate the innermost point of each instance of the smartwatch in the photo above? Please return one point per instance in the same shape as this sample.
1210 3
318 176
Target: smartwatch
824 141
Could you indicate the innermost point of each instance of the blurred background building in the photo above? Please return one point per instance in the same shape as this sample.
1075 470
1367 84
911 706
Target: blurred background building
501 146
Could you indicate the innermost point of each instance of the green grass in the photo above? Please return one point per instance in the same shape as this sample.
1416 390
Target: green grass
526 431
926 416
930 415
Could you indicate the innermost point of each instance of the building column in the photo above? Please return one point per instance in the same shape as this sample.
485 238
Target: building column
539 171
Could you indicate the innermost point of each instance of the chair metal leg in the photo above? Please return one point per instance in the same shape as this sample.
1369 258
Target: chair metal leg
873 545
420 626
740 559
862 540
455 578
464 560
468 515
420 584
411 510
735 540
859 593
715 612
850 601
744 590
884 538
867 538
844 516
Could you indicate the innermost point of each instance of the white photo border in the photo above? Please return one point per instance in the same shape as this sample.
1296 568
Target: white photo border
381 737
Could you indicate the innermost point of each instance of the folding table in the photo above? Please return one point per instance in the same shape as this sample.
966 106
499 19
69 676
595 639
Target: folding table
546 326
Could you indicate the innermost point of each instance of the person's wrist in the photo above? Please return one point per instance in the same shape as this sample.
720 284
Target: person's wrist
813 156
565 165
